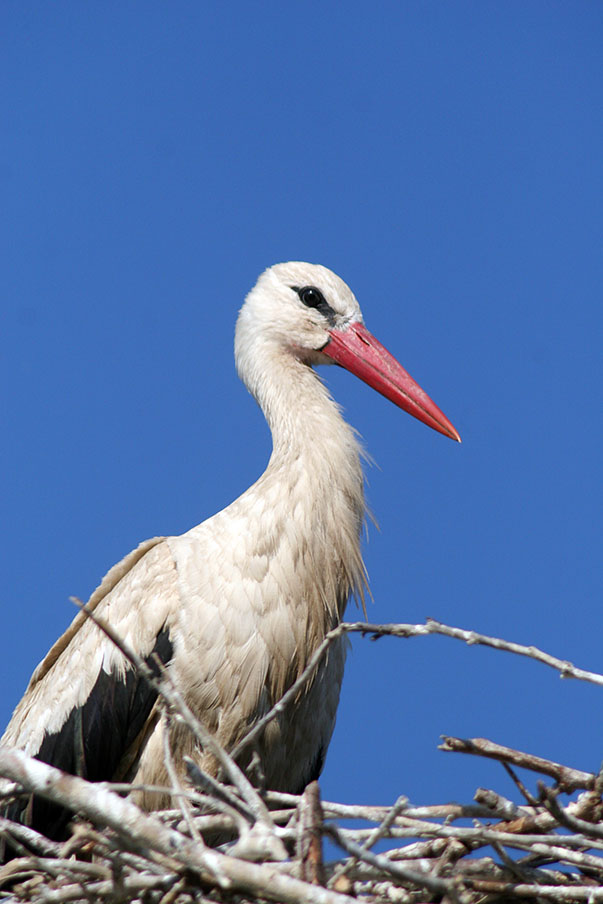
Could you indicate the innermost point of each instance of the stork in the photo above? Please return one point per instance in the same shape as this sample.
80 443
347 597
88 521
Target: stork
235 607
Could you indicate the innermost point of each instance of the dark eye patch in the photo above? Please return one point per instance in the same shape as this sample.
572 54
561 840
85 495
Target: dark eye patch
313 298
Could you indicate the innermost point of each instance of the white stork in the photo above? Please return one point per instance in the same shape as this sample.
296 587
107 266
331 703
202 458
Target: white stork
236 606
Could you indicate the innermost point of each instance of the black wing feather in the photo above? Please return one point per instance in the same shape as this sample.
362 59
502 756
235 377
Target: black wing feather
94 740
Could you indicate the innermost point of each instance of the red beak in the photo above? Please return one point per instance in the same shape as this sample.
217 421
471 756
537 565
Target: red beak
359 352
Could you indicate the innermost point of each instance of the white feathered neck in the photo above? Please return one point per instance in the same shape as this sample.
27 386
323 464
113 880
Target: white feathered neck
314 483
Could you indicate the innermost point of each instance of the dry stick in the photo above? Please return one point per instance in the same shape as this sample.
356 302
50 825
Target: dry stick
567 779
561 893
109 847
72 868
14 870
131 787
516 869
422 880
93 891
145 832
483 835
220 794
546 850
309 836
333 810
431 626
501 807
527 794
408 826
554 852
173 892
388 820
420 850
257 840
213 795
574 823
533 819
173 776
376 834
220 821
29 836
486 867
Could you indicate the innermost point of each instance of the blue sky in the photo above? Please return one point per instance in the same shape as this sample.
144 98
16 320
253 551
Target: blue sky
445 160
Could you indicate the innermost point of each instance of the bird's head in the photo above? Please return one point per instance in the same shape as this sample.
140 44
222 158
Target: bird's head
295 306
311 313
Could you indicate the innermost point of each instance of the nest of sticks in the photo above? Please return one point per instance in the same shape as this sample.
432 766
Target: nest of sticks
547 847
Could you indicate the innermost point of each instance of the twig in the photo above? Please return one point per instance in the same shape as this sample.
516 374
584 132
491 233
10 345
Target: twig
33 839
500 806
567 779
173 776
571 893
309 836
431 626
574 823
375 835
221 795
529 797
422 880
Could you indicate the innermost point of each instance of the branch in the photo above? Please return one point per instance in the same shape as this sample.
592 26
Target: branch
431 626
567 779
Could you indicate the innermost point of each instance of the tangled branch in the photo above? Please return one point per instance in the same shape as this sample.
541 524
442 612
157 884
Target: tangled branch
544 848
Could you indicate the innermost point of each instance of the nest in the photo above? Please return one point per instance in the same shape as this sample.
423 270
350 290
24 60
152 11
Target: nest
230 842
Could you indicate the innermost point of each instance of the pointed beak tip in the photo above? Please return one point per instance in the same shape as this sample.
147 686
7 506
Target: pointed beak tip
358 351
447 430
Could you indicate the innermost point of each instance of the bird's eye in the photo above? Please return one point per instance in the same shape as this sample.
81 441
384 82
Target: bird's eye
311 297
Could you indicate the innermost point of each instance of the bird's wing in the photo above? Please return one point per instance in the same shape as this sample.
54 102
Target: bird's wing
108 583
86 710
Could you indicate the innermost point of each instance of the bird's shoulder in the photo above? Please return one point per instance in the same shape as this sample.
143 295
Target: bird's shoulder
140 566
135 598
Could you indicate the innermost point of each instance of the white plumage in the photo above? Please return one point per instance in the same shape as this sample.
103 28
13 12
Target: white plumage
238 604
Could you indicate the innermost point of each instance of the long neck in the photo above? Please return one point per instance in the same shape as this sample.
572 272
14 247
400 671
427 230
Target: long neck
313 482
